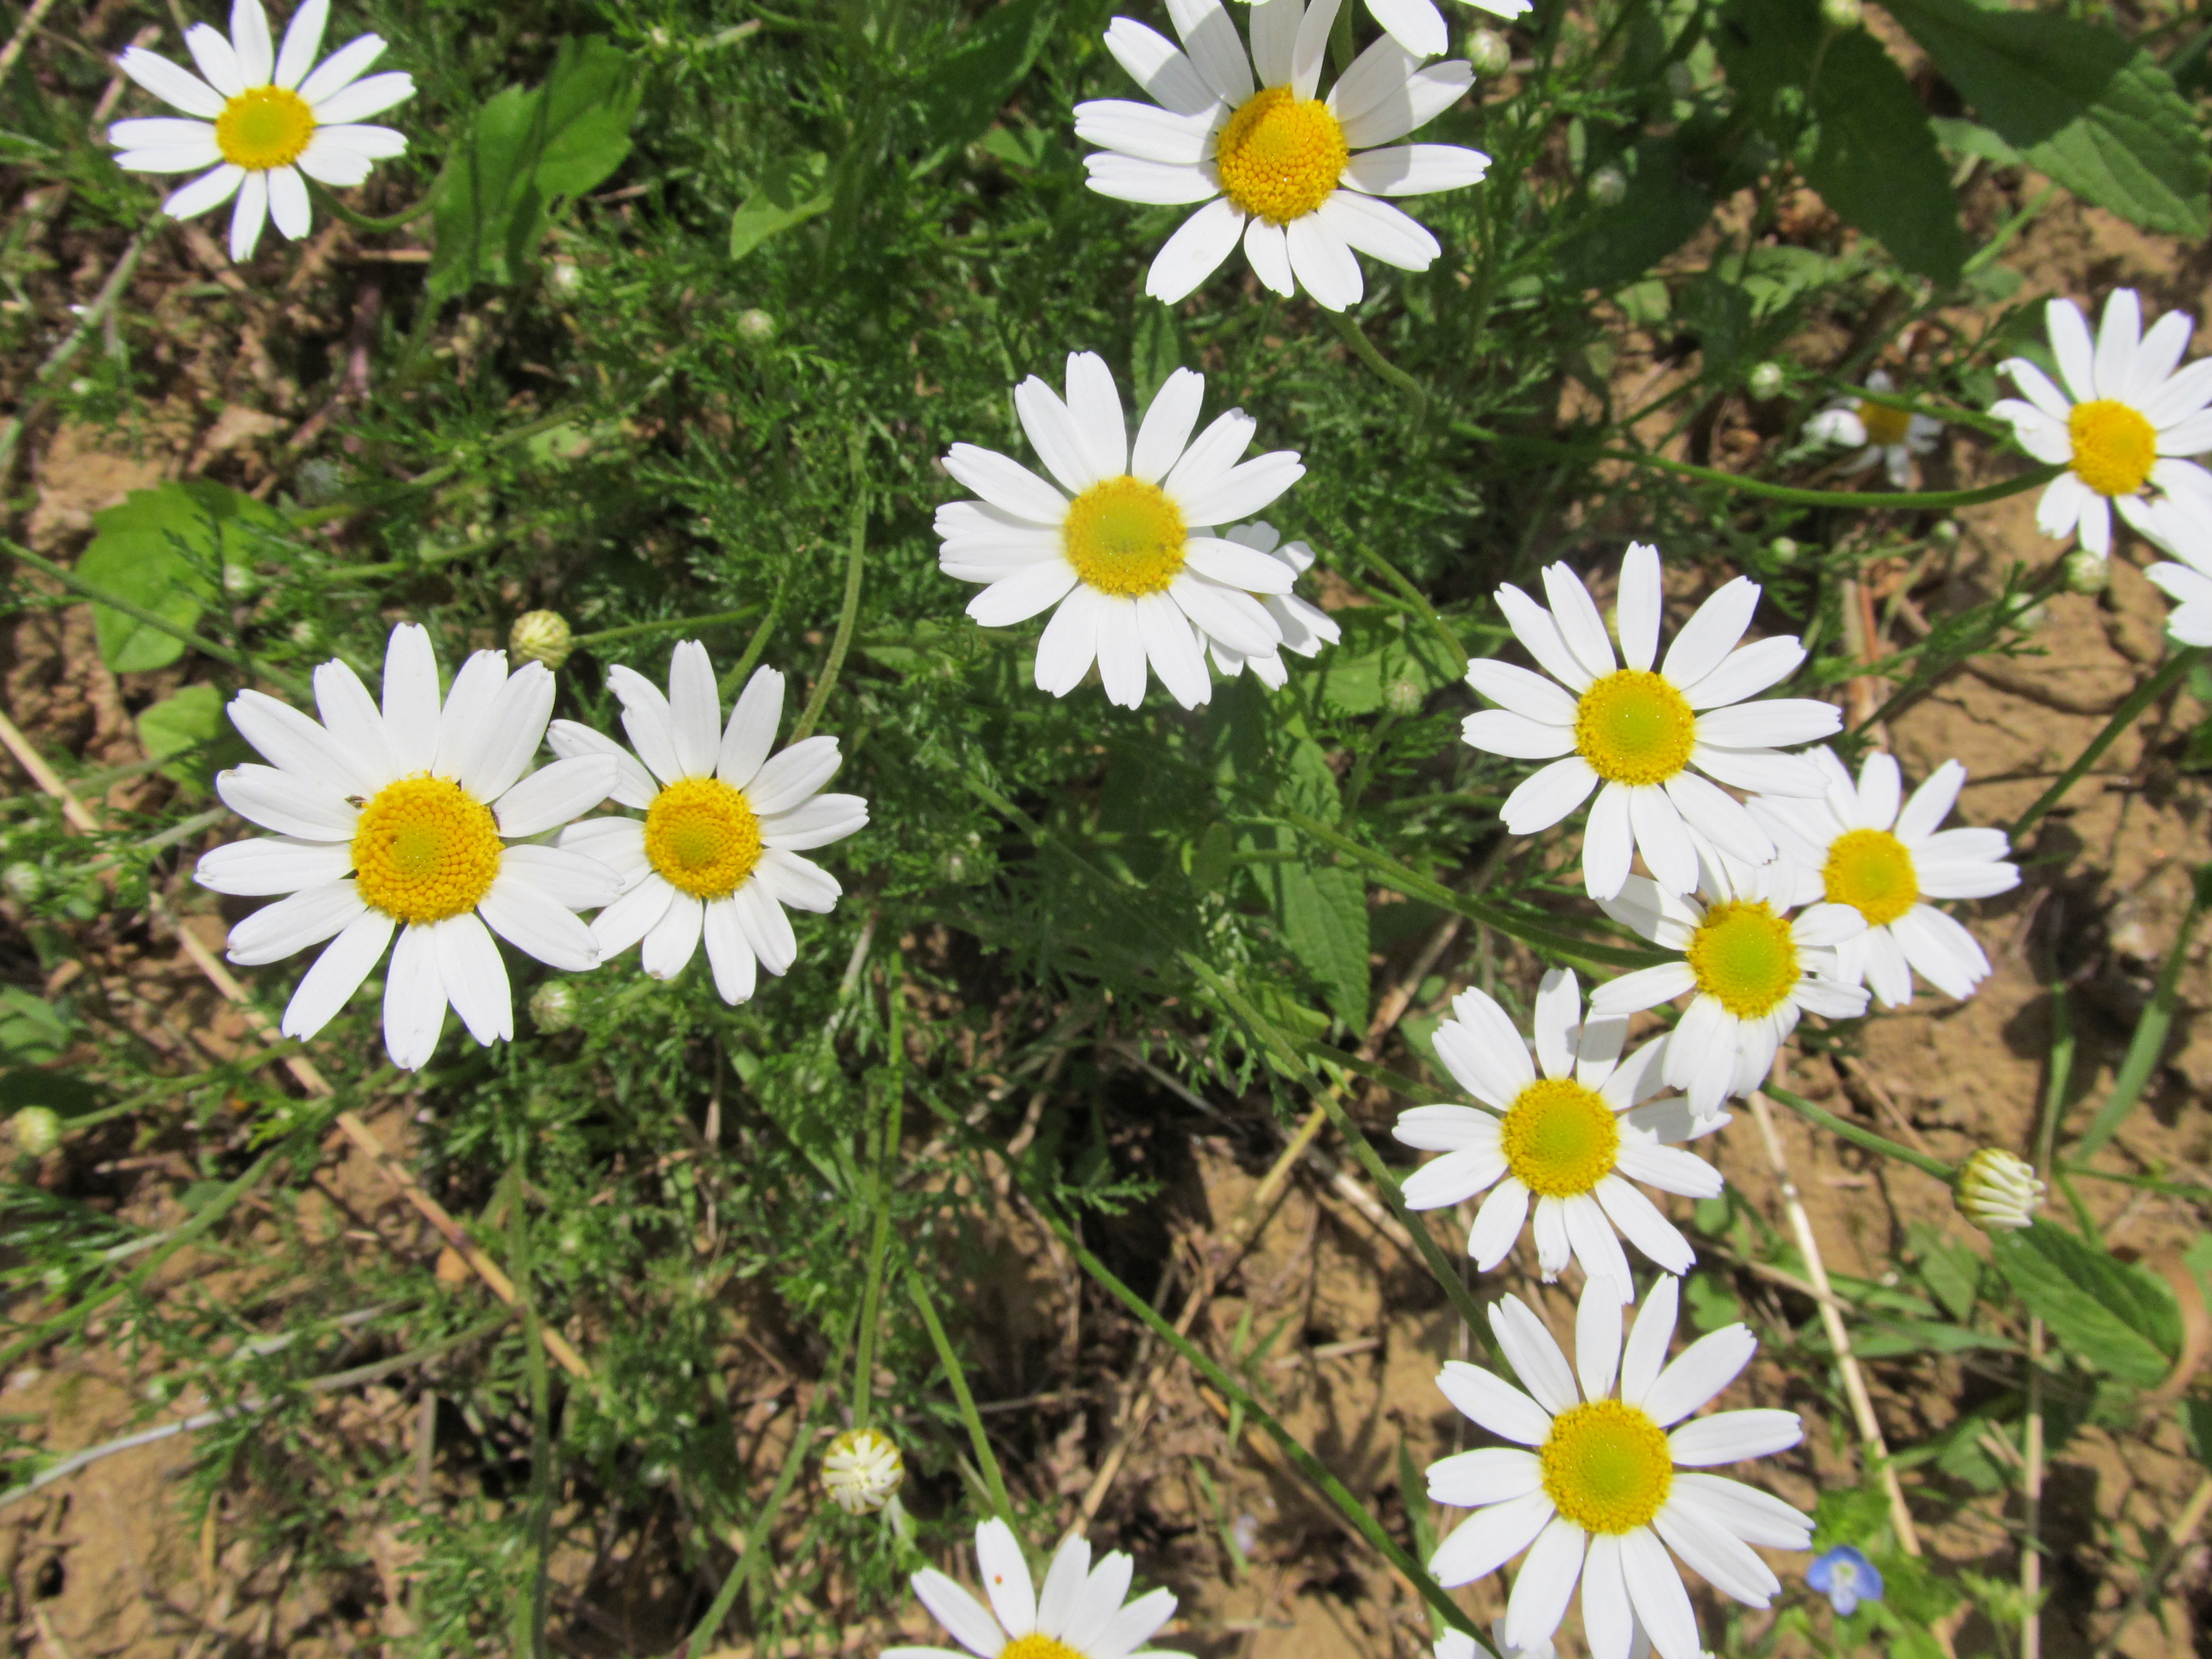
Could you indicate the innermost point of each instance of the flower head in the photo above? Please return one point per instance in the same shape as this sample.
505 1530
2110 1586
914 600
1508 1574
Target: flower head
1297 177
861 1470
1878 431
2121 432
1122 543
408 818
717 854
1579 1126
1080 1615
1846 1577
265 120
1641 736
1604 1489
1856 846
1750 971
541 636
1305 627
1997 1191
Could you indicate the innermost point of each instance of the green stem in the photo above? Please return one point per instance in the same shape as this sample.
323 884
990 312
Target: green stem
958 1378
609 635
2148 1044
872 1300
1348 330
530 1616
154 620
399 220
2004 614
2169 674
745 664
856 447
1858 1137
1414 597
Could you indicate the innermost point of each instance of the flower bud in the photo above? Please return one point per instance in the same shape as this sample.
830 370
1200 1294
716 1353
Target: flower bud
1841 14
862 1470
1488 53
2083 572
1996 1190
1784 550
1403 696
1608 186
37 1130
1764 381
553 1006
541 636
756 325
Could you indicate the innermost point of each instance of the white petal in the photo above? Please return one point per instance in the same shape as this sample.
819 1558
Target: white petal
303 39
814 822
1640 1223
216 57
1005 1578
1312 47
1051 432
766 929
1656 1591
411 698
1455 1177
1153 184
1698 1373
414 1000
695 708
1931 803
514 726
1492 1474
338 973
341 69
575 878
1747 671
631 917
794 774
1146 132
1120 652
1597 1343
287 803
209 189
1063 1586
1155 64
475 978
2069 343
669 945
247 215
1732 1436
1662 838
1104 1592
1237 565
552 795
1006 484
961 1613
1415 169
1414 102
751 733
1489 1538
349 715
268 865
1645 1354
1755 1516
1169 420
1172 649
363 98
308 917
1608 842
1545 1584
633 787
1094 402
1416 25
288 209
1543 797
1227 614
527 917
179 88
797 883
1535 1357
1710 635
1211 40
1269 251
2117 335
1608 1621
1495 1404
1501 731
1069 644
291 741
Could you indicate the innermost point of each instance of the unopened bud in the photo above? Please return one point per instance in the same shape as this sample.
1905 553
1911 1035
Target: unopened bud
756 325
1841 14
26 882
2083 572
1764 381
1403 696
1608 186
1997 1191
541 636
861 1471
567 276
1784 549
1488 53
239 580
553 1006
37 1130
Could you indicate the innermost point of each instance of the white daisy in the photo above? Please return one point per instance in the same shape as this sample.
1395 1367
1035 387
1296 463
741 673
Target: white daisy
1606 1489
409 818
1753 970
1419 26
717 854
1878 431
1645 736
1855 846
2190 589
1305 628
1123 544
1295 177
1575 1124
2121 433
263 119
1080 1615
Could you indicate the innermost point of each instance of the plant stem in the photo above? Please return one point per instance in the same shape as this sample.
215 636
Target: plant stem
958 1378
856 448
609 635
872 1300
1418 600
744 667
2149 1043
399 221
2169 675
530 1616
1348 330
1858 1137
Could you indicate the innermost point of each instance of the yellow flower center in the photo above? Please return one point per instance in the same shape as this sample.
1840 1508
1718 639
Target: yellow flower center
1743 955
1559 1138
2114 447
1280 156
1871 871
1884 426
264 127
1633 727
1124 537
702 836
1034 1646
1607 1466
424 850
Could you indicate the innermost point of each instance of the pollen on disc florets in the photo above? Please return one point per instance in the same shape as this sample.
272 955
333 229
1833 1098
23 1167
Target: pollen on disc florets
1125 536
1607 1466
1871 871
264 127
702 836
1036 1646
1884 424
1559 1138
2114 446
1743 955
1634 727
1280 156
424 850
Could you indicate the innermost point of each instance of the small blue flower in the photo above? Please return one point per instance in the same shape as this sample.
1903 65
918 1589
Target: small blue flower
1846 1577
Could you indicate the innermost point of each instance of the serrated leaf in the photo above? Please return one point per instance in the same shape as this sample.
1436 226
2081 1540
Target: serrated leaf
2084 105
160 549
2111 1315
1325 925
967 86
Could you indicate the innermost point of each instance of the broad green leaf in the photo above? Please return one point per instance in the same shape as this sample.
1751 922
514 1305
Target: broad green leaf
1665 205
32 1029
1377 653
160 549
493 200
966 87
2111 1316
60 1092
180 724
789 194
2082 104
1963 137
1325 924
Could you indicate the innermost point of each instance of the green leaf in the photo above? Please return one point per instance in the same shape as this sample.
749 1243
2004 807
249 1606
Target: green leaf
1873 156
2082 105
967 86
32 1029
180 724
790 194
1665 206
160 549
59 1093
493 198
2111 1315
1325 924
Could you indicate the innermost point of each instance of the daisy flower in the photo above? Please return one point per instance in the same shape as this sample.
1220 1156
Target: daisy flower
1080 1615
1605 1490
406 818
1419 26
264 118
1305 628
717 854
1644 735
1753 972
1122 543
1857 846
1575 1124
2118 435
1879 432
1298 178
